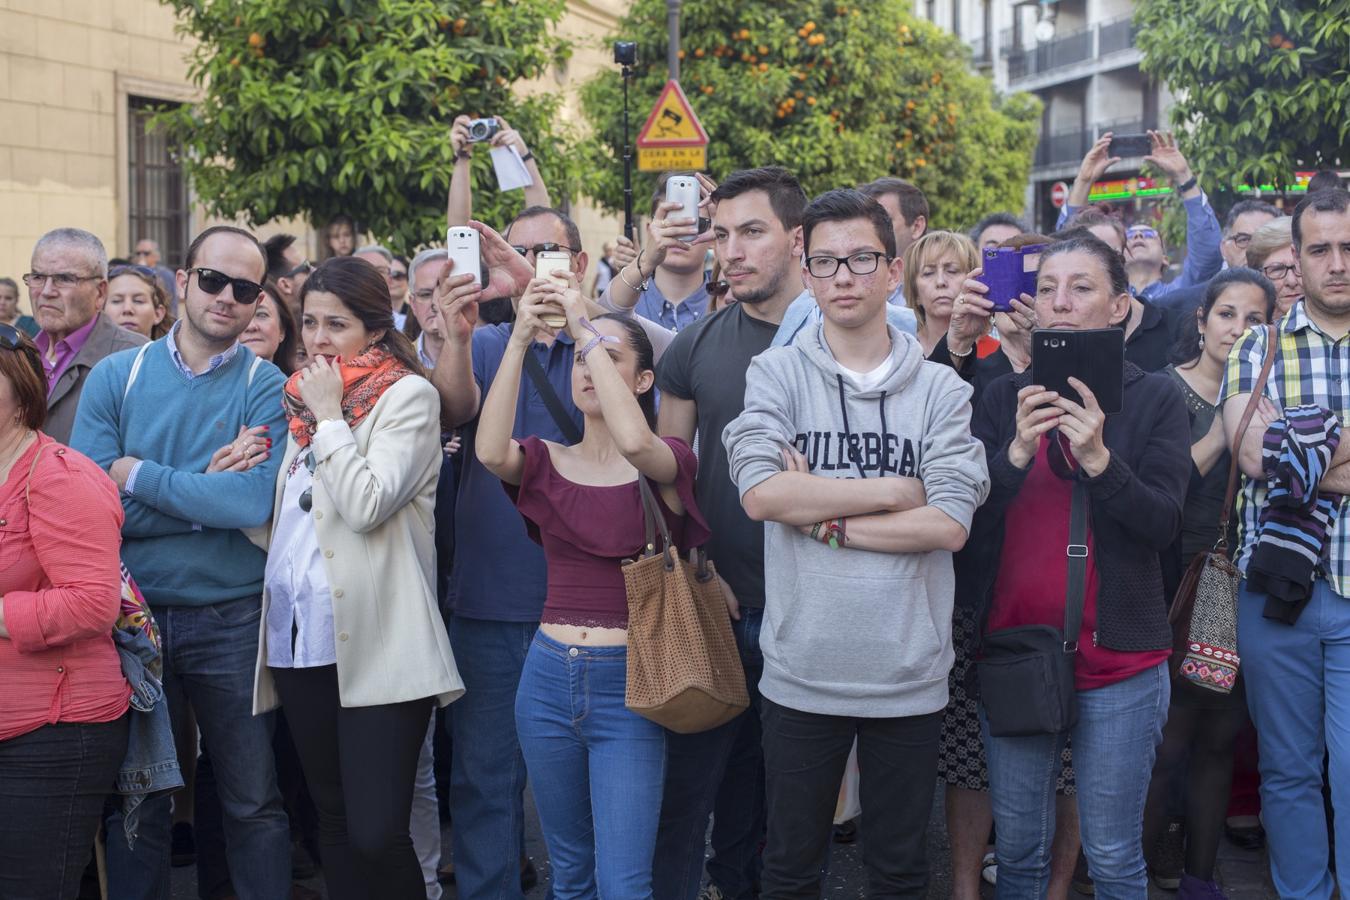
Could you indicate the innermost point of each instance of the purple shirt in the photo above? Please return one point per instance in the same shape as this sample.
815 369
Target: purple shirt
56 362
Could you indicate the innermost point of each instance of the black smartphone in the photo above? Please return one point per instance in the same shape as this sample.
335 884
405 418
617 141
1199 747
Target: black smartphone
1095 357
1130 145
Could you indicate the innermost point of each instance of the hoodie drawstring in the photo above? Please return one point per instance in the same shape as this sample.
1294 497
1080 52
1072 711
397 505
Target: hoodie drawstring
855 453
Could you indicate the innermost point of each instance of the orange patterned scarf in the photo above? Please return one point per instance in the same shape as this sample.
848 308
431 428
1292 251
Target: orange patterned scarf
365 378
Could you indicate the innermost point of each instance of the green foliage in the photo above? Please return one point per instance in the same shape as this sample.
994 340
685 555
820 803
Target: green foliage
1262 86
319 107
838 91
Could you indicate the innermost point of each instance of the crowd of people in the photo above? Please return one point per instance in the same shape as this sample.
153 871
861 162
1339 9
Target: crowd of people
299 560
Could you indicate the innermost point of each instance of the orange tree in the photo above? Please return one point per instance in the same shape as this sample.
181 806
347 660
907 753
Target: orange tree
838 91
317 107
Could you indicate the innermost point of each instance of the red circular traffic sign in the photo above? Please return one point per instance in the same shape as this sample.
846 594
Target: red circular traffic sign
1059 193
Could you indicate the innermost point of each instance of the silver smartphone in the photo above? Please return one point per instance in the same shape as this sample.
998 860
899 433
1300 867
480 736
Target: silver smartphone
545 263
683 189
462 243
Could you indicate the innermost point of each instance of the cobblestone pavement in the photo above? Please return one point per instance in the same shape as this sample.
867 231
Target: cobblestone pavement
1243 874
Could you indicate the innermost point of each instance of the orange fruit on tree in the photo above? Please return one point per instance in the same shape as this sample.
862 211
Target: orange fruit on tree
764 67
763 50
255 40
810 101
699 53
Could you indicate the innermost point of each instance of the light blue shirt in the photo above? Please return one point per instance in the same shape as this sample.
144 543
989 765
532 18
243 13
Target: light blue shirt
653 305
804 312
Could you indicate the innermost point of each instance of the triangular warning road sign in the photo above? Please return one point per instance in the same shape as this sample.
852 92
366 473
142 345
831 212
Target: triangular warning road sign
672 122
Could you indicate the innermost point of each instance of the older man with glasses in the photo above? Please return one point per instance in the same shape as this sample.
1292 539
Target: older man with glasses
68 286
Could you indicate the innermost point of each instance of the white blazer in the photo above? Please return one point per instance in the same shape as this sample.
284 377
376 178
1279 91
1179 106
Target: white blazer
374 514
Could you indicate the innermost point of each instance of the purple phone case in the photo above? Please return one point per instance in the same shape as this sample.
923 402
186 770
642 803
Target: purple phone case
1004 276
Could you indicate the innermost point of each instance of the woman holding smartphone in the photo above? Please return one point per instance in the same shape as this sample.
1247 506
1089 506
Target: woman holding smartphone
597 769
1203 724
1134 466
352 644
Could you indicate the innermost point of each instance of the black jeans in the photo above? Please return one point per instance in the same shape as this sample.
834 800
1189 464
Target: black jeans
804 759
360 763
53 782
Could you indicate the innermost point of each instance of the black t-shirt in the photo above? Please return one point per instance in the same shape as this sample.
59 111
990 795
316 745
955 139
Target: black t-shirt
707 363
1150 347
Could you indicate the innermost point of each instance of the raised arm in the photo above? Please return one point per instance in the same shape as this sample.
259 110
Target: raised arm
456 300
497 450
627 424
1203 233
536 193
459 201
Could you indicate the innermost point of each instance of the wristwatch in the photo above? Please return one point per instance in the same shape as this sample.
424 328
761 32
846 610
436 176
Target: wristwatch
1186 185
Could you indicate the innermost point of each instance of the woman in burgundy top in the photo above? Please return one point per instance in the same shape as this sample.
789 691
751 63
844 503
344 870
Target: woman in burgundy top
597 769
63 700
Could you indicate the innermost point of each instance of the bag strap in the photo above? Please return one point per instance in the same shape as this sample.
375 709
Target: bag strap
135 370
1272 348
1077 552
653 519
28 485
570 432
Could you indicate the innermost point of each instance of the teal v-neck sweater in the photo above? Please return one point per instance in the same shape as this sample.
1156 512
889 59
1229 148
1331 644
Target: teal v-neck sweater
182 540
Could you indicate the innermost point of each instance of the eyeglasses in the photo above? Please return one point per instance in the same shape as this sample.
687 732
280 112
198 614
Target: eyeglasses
1140 231
214 282
1240 239
546 247
1278 271
859 264
303 269
62 280
10 338
717 288
307 497
424 295
395 275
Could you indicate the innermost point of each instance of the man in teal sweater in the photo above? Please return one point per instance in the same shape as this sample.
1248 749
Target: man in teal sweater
153 417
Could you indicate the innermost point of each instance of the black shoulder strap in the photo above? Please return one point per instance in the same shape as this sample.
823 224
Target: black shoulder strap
570 432
1077 553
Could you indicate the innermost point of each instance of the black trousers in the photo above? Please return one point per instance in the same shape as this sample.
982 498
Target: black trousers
804 759
360 763
53 782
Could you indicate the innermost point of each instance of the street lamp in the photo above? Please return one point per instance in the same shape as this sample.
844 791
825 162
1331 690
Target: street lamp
673 31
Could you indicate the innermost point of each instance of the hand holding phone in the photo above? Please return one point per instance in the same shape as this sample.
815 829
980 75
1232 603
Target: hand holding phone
683 189
1095 357
1009 272
462 245
546 262
1127 146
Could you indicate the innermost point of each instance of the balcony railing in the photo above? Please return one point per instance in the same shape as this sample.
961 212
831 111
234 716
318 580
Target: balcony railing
1079 46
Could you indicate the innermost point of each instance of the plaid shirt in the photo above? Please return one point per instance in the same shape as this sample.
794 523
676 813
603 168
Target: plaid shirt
1310 368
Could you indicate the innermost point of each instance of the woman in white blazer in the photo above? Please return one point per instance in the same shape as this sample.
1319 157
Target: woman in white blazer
352 643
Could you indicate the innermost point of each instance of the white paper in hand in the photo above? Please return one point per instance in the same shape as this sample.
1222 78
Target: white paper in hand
510 169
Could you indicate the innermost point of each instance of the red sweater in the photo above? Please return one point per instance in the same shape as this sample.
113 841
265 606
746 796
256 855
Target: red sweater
61 584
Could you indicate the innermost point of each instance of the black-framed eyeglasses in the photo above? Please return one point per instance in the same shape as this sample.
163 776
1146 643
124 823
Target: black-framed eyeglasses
545 247
864 263
303 269
717 288
1240 239
63 280
1278 271
214 282
307 497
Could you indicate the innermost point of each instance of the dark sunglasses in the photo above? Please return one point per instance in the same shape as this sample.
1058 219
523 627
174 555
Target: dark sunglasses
303 269
717 288
1140 231
10 338
214 282
546 247
307 497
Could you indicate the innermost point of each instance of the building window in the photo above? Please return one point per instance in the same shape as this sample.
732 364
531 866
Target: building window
956 17
157 197
930 11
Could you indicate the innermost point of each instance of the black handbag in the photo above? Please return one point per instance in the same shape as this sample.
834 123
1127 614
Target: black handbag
1026 673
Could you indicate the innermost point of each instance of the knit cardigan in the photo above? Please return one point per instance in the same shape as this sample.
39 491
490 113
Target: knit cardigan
1135 505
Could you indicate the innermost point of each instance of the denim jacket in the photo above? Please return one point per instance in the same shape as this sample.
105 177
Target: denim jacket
151 764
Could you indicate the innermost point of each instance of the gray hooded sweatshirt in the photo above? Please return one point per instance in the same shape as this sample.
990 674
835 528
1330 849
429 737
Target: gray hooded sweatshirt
851 632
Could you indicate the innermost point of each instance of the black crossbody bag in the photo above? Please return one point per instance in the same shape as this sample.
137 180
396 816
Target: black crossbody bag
1026 673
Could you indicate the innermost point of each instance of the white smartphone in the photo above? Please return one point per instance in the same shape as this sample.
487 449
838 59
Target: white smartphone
683 189
462 244
545 263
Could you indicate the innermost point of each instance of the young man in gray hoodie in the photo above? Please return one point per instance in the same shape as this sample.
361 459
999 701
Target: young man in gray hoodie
858 455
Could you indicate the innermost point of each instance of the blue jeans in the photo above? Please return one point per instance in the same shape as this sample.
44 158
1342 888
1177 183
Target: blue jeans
1118 731
597 770
719 771
487 771
1298 692
209 658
